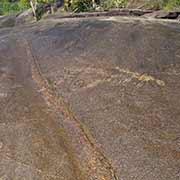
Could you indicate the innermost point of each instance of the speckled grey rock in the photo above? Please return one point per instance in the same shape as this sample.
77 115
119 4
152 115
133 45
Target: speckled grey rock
90 98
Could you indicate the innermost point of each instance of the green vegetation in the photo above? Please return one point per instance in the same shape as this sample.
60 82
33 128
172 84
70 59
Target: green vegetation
87 5
10 6
164 4
91 5
107 4
13 6
80 6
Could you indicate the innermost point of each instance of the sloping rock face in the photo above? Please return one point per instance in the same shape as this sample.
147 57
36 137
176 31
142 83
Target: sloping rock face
7 21
90 98
21 18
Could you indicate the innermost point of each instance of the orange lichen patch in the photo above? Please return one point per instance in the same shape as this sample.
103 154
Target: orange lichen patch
176 154
141 77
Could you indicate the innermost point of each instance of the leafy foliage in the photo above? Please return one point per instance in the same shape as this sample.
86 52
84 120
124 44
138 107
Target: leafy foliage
107 4
163 4
13 6
81 5
87 5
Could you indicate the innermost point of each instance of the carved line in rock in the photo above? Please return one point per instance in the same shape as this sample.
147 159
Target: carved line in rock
92 162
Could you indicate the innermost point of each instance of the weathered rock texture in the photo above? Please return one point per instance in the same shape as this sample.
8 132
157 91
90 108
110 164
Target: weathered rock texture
90 99
27 17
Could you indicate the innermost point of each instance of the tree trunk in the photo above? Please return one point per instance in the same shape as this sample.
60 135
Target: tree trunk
33 5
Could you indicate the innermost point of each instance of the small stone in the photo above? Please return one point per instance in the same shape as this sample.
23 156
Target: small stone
167 15
3 95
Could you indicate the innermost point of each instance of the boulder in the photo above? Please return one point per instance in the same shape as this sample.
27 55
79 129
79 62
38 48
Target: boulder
25 17
90 98
164 14
167 15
